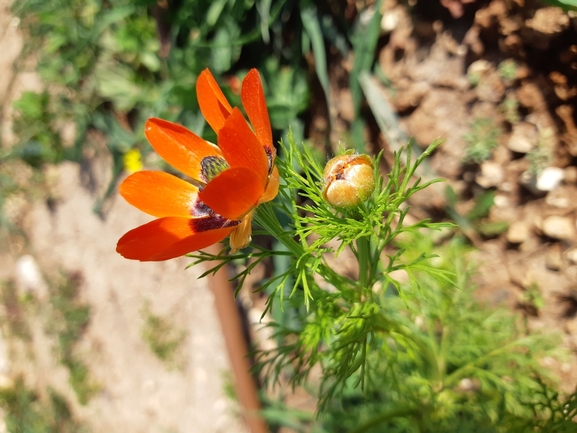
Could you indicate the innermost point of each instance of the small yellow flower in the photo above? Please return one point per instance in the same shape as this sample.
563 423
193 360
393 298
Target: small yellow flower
348 181
132 161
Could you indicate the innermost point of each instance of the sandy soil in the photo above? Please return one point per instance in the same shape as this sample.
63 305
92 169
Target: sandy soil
137 391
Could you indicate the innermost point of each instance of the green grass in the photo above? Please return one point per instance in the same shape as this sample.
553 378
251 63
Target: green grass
26 412
69 320
163 338
481 139
15 313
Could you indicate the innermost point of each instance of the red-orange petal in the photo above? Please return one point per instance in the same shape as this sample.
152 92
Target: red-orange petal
233 193
241 148
254 103
159 194
178 146
272 186
213 104
167 238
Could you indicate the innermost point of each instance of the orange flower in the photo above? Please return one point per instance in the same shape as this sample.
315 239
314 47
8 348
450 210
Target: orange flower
228 181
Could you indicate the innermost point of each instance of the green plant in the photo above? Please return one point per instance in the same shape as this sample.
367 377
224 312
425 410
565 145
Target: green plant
400 345
26 412
15 312
566 5
532 299
449 365
481 139
510 109
475 220
163 338
507 69
70 317
347 313
541 156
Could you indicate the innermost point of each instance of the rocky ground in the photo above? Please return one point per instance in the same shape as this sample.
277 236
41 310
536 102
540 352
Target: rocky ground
499 82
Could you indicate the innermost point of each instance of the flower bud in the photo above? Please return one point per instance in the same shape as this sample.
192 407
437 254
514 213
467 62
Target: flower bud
348 181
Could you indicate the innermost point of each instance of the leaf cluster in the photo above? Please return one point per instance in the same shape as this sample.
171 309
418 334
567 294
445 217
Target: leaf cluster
440 363
27 412
482 139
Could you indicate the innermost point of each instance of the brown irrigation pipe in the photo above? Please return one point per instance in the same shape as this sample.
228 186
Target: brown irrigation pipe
230 322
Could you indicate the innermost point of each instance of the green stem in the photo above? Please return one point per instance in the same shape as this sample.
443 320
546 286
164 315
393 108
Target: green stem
461 372
364 257
265 217
384 417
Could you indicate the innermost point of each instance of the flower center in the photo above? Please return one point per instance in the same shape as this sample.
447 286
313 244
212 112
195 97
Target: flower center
212 166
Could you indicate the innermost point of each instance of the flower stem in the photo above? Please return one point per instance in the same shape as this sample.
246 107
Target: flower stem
265 217
364 259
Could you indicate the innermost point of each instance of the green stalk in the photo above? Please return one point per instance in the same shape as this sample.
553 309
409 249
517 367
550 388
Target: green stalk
405 412
265 217
364 258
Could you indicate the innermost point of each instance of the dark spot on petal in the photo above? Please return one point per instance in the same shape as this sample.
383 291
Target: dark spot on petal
200 209
270 158
211 223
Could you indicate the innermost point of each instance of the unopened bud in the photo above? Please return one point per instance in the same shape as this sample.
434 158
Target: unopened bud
348 181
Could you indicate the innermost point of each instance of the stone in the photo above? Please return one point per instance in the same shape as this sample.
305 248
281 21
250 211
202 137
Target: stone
529 181
524 138
553 259
570 174
518 232
559 227
29 279
571 256
561 198
491 175
502 201
549 179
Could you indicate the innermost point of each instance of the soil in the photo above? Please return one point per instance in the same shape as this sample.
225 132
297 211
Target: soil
135 390
503 72
449 72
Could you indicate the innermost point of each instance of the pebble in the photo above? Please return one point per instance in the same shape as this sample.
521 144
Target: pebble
518 232
559 227
29 279
529 181
524 138
558 200
572 256
549 179
391 19
502 201
570 174
491 174
553 260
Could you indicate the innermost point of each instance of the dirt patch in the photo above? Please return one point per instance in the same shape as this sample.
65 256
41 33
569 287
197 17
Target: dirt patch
499 84
127 388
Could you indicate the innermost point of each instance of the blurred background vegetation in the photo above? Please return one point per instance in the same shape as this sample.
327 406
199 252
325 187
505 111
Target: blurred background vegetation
108 65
